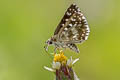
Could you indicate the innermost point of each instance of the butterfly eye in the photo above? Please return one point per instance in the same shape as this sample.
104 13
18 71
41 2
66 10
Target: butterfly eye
50 42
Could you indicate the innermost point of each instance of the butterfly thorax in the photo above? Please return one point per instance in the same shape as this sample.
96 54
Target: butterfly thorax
56 41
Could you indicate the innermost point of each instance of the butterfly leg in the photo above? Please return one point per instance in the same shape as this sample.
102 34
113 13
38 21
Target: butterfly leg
63 48
55 50
73 47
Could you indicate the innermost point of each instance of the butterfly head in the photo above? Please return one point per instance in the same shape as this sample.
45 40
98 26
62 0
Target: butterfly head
48 43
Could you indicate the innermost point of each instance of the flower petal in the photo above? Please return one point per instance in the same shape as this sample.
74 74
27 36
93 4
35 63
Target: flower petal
75 61
69 62
56 65
49 69
75 76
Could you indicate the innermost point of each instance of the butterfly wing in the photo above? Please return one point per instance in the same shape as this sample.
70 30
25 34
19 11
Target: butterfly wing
65 18
73 27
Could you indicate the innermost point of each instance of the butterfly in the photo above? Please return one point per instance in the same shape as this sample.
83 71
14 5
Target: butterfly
72 29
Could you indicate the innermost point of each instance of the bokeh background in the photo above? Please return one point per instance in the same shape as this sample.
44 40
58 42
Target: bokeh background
26 24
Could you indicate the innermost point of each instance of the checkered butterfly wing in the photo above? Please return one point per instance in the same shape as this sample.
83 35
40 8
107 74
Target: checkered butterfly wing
73 27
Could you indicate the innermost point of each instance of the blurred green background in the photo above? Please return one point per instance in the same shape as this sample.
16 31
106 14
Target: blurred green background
26 24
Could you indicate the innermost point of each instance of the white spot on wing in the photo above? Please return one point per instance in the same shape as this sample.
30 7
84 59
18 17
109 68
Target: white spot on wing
66 19
73 19
74 4
87 33
68 13
78 9
62 24
66 29
79 18
74 36
82 34
88 30
83 17
70 25
81 14
70 9
75 11
75 24
86 37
